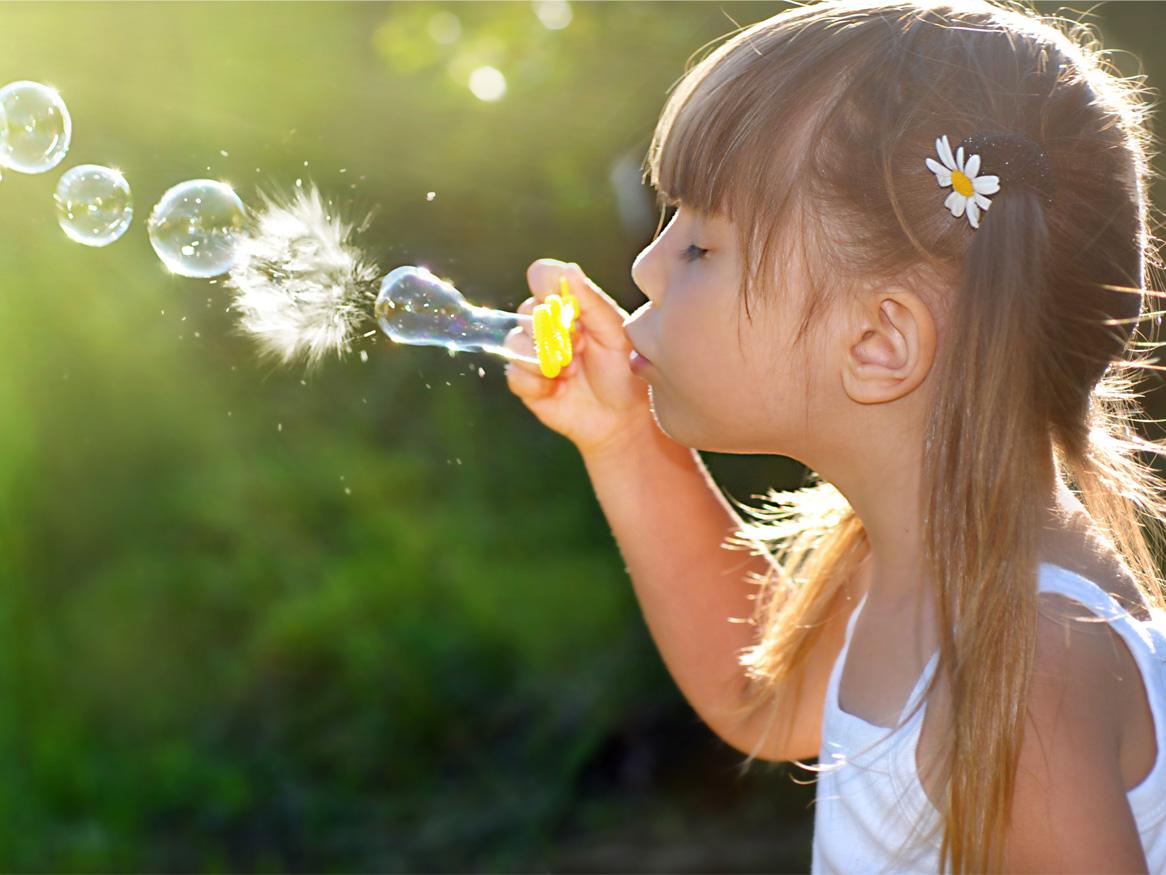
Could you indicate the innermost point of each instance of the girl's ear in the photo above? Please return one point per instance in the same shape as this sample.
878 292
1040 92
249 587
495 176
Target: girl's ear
890 346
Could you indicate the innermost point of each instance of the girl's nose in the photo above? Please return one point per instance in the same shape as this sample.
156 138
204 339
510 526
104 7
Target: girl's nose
643 272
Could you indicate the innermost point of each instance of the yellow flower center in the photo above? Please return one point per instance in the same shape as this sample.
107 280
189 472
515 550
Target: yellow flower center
961 184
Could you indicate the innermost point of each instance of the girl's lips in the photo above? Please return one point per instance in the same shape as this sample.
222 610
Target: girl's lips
638 362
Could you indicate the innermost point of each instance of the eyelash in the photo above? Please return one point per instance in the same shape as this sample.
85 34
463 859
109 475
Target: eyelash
687 255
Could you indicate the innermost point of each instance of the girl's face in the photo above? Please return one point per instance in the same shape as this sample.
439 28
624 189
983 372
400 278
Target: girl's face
711 388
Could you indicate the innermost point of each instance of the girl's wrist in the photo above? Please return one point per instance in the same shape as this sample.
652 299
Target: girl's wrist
639 436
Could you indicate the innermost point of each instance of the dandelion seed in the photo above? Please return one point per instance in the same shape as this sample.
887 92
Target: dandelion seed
301 289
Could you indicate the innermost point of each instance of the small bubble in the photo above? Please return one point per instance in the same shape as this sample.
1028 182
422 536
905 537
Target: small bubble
224 153
482 372
279 426
305 163
228 413
343 169
299 182
427 386
363 356
196 334
459 461
430 195
347 490
303 382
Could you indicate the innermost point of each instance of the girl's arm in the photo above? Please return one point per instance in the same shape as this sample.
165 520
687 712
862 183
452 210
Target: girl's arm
1070 812
669 520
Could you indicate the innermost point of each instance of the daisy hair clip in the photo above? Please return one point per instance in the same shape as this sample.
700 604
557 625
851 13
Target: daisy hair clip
1012 159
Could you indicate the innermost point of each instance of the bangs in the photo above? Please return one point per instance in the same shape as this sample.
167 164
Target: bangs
734 140
736 128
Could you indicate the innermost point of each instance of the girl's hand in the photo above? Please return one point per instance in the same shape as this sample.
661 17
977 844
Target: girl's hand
596 401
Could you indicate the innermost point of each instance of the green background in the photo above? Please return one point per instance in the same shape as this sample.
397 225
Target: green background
369 617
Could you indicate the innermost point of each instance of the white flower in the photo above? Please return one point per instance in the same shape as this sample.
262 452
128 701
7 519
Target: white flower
969 189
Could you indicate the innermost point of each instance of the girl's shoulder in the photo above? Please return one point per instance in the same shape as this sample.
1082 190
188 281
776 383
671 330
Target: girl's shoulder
1092 645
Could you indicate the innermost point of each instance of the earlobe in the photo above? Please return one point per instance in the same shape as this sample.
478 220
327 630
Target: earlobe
890 349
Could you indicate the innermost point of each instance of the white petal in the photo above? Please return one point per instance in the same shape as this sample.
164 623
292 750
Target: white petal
973 214
972 167
959 158
942 174
944 150
956 202
986 184
982 202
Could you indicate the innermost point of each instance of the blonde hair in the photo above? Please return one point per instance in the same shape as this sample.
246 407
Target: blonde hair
811 127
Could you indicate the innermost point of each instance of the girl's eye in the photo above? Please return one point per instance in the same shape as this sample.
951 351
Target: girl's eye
692 253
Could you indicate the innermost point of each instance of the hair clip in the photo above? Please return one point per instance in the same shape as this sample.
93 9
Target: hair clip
969 190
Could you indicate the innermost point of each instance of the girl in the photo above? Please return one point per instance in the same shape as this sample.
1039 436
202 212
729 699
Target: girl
909 250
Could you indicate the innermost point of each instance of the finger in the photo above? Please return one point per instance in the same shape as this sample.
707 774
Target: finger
525 383
519 342
527 306
603 317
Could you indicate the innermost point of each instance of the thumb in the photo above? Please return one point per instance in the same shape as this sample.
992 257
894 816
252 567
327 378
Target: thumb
603 317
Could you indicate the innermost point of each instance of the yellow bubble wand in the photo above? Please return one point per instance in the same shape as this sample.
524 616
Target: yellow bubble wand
554 320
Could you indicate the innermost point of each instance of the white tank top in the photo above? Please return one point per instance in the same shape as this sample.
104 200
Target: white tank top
869 797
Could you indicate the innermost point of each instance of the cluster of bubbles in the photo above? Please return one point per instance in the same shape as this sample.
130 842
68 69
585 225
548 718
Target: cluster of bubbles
300 287
193 228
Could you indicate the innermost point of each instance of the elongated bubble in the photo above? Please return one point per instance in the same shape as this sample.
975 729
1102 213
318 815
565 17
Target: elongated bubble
35 127
195 226
416 307
94 204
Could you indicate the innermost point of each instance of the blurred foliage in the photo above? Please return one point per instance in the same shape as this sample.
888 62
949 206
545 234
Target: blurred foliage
369 617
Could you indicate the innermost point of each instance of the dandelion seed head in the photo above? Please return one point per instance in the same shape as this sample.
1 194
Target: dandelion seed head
301 289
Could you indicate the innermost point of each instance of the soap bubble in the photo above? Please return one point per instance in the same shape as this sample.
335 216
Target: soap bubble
36 127
195 226
416 307
94 205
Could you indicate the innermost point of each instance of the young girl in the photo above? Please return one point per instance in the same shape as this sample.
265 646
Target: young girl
909 250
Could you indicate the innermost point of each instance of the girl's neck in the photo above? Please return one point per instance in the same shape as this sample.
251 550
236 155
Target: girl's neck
894 567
